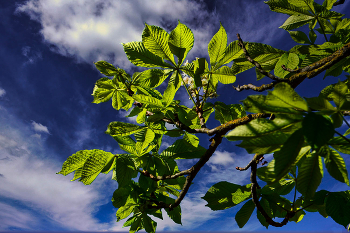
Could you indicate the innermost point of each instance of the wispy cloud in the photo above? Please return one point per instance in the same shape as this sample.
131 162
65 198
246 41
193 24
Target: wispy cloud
94 30
2 92
40 128
31 180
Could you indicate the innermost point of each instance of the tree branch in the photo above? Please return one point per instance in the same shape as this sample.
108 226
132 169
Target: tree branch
306 72
255 63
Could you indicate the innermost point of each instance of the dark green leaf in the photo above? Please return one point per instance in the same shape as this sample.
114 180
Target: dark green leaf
318 130
243 215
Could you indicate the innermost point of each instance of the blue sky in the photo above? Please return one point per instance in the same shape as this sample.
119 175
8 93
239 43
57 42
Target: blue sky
46 79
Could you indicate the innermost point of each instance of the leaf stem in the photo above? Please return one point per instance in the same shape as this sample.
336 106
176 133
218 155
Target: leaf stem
348 140
346 122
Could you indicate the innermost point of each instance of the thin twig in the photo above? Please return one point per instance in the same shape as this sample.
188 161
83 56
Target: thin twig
348 140
255 63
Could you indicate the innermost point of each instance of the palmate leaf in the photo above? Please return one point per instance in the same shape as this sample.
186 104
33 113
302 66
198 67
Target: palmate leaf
338 207
156 41
181 41
224 195
217 46
232 51
243 215
140 56
105 89
310 174
224 75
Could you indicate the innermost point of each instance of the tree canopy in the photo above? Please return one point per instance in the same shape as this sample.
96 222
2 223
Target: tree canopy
302 133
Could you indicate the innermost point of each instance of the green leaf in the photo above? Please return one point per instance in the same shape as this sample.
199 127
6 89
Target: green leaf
200 66
181 149
125 170
328 4
264 144
135 222
320 103
142 116
338 207
318 130
156 41
260 127
126 210
287 157
289 60
150 78
149 224
94 164
243 215
340 144
75 161
284 96
283 99
106 68
299 37
295 21
224 75
287 7
312 36
117 128
181 41
232 51
336 166
169 94
283 187
224 195
225 113
191 139
338 94
310 175
140 56
265 204
175 214
217 46
120 196
148 100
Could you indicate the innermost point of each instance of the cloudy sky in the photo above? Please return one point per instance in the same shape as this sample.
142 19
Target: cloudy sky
46 79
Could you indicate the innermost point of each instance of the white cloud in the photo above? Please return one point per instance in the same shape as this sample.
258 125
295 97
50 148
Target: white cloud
31 55
40 128
30 180
13 217
223 158
93 30
2 92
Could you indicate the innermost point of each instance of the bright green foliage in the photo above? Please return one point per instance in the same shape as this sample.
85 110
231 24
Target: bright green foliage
300 132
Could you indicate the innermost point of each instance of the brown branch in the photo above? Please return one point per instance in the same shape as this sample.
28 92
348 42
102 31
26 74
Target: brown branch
306 72
339 2
255 63
255 199
165 177
215 142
